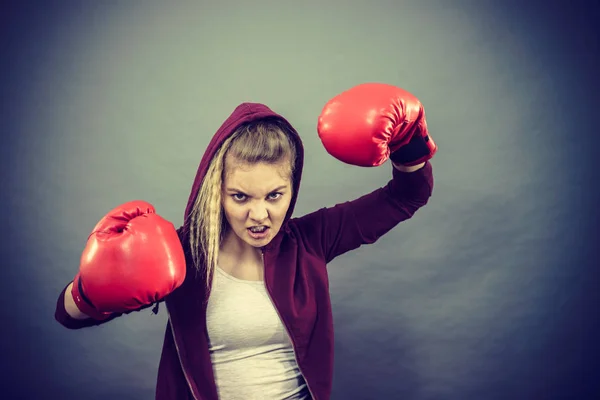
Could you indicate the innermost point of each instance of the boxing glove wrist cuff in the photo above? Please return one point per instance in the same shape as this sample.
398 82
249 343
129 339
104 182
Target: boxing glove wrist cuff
416 151
84 304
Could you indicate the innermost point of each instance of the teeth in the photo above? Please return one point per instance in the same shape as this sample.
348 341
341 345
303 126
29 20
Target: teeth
257 229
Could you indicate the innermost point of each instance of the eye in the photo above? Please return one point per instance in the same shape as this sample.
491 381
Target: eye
238 197
274 195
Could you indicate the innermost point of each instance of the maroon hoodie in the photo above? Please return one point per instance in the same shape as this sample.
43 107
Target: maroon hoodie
295 273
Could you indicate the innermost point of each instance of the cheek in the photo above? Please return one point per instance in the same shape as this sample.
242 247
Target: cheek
281 211
233 213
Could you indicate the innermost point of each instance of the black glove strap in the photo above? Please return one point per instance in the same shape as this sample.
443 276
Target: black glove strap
412 151
83 296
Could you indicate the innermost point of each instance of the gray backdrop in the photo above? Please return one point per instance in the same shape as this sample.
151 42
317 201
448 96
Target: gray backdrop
489 292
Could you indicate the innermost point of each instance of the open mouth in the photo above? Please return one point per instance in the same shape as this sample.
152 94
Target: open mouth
258 229
258 232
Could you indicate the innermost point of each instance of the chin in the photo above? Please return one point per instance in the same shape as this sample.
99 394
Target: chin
259 243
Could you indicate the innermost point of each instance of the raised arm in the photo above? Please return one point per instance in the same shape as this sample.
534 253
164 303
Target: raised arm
333 231
365 126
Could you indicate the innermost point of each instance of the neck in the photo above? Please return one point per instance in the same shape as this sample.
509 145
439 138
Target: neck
233 247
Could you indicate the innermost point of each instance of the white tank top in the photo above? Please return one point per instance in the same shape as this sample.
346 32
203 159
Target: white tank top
251 352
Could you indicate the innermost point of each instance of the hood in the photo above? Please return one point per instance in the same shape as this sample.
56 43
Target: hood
244 113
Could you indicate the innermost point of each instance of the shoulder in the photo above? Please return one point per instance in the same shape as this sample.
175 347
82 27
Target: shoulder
303 234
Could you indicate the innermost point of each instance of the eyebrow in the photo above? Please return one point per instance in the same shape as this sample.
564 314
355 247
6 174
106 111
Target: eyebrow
232 189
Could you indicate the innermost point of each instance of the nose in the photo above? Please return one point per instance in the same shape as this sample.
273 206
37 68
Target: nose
258 213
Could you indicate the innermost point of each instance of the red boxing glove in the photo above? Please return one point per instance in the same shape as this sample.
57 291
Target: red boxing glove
133 258
372 122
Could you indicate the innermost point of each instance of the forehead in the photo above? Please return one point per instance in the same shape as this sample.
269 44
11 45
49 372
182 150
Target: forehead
260 177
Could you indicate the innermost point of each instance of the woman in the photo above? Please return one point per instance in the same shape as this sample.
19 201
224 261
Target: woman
248 301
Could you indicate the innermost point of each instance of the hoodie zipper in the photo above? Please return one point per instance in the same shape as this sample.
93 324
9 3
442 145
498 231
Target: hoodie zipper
187 379
287 329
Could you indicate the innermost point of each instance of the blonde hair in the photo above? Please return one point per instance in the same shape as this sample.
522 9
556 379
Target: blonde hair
267 141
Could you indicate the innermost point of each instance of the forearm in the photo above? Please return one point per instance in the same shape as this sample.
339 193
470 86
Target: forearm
69 315
350 224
